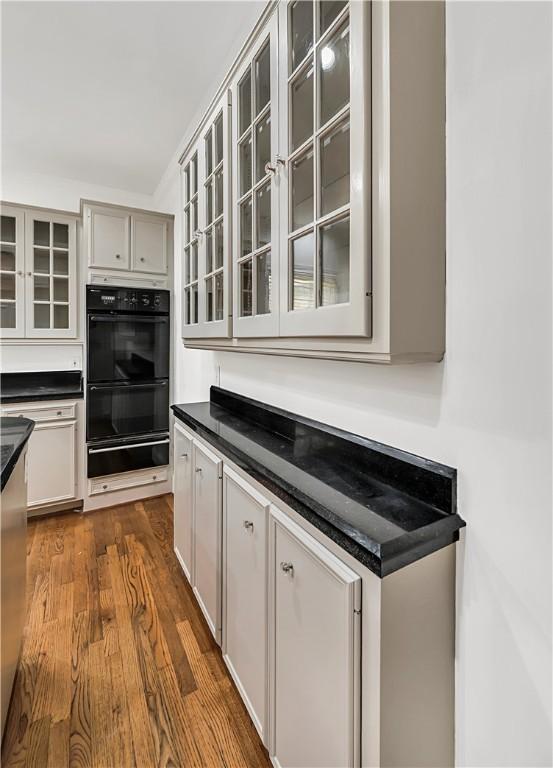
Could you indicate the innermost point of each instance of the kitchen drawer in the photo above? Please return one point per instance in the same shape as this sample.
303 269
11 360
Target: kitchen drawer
46 412
126 480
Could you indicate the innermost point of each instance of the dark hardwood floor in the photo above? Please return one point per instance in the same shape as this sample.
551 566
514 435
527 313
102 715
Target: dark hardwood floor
118 667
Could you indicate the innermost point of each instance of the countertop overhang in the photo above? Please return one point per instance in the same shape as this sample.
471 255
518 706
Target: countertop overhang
386 507
14 433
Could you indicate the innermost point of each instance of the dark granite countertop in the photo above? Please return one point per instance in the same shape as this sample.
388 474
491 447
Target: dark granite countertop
14 433
384 506
25 386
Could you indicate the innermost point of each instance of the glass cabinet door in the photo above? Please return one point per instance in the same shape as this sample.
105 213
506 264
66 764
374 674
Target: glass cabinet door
325 195
256 170
206 197
12 274
51 264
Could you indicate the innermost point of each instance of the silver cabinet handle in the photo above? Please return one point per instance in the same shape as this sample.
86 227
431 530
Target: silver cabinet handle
274 167
248 525
287 568
184 455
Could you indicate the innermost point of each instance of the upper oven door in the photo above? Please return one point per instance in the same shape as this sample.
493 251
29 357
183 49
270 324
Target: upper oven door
127 347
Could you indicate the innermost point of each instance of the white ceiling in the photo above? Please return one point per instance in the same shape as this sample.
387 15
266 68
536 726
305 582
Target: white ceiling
103 92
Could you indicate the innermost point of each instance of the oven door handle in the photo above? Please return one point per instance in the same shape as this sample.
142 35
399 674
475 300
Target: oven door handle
128 386
130 445
126 318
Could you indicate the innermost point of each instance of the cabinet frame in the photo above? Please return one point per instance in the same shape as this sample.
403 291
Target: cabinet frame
19 276
147 219
39 427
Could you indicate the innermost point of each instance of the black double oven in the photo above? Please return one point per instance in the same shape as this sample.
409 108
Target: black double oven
127 407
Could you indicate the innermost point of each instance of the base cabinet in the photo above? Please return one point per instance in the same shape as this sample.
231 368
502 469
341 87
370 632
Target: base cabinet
245 515
183 499
51 463
315 651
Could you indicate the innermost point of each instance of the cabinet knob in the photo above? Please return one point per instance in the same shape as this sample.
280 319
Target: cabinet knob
20 273
29 274
198 469
117 255
184 455
142 258
104 487
273 168
248 525
287 568
154 477
59 413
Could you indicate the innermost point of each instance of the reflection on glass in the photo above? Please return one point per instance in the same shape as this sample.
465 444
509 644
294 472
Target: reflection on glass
7 287
245 102
194 312
334 263
263 289
246 164
303 285
194 261
61 263
187 277
7 315
246 288
208 251
302 108
41 230
263 215
187 183
262 146
329 9
194 175
302 190
262 79
218 193
208 203
187 230
335 169
246 227
194 218
334 74
41 315
61 316
208 154
61 289
219 139
7 258
301 31
61 236
41 261
42 288
209 299
7 229
187 295
219 296
219 245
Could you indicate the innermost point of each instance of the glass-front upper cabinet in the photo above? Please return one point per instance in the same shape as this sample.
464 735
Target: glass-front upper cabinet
206 230
325 137
256 178
12 272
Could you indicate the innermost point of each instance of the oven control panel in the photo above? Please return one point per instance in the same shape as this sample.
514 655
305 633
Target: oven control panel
109 298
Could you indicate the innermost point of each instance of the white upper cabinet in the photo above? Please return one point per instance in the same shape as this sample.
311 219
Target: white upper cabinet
12 272
108 238
206 230
148 244
256 165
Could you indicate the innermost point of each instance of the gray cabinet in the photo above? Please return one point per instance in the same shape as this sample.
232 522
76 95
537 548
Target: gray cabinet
183 498
108 238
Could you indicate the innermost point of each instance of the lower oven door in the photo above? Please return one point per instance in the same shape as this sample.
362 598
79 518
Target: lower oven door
124 410
111 459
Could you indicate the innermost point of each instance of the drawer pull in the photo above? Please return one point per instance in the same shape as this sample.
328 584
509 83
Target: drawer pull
248 525
287 568
184 455
59 413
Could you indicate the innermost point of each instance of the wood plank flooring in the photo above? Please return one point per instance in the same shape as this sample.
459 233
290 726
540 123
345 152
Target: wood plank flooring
118 667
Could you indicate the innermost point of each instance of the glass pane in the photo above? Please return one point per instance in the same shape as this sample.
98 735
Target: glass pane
194 175
219 139
187 235
208 203
61 236
262 147
246 288
246 227
219 245
334 74
209 299
335 169
187 295
303 293
194 261
61 263
334 266
194 218
194 313
208 154
7 315
329 9
7 287
187 184
245 101
187 265
61 316
61 289
263 215
42 288
7 258
7 229
301 31
208 251
246 165
262 79
302 108
264 283
302 191
218 193
219 296
42 315
42 261
41 233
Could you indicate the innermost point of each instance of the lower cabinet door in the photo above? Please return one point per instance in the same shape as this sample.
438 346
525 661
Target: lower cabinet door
183 500
315 652
207 535
245 513
51 463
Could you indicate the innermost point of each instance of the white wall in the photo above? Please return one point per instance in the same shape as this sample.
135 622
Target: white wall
487 409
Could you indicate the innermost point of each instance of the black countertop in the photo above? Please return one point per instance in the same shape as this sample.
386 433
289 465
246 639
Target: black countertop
43 385
14 433
384 506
